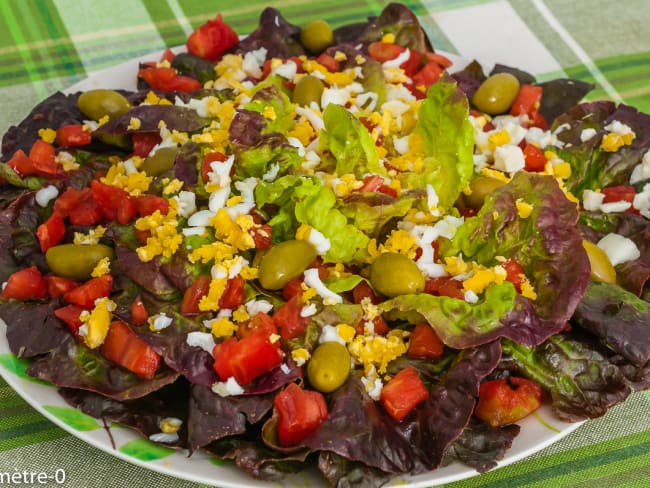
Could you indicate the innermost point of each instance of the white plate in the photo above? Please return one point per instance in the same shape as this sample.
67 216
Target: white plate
537 431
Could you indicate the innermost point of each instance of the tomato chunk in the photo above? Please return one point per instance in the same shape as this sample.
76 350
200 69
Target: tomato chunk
424 343
144 142
246 359
300 412
124 347
620 193
206 163
25 284
212 39
51 232
148 204
116 204
57 286
515 273
288 319
73 135
139 314
259 323
384 51
427 76
193 295
233 295
403 393
86 294
70 314
445 286
502 402
42 156
534 158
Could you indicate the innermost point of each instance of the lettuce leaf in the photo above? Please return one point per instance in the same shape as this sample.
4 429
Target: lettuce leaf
448 139
349 142
371 211
272 96
546 244
457 323
176 118
581 381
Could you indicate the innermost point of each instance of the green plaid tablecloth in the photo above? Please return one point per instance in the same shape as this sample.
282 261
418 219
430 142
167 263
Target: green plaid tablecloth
46 45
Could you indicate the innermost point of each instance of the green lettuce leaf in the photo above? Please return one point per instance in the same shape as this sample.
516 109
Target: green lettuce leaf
349 143
457 323
448 139
370 211
283 109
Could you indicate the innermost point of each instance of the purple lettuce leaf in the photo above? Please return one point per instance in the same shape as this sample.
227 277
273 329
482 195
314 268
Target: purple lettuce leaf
276 378
618 318
592 167
575 372
186 164
637 377
176 118
73 365
480 445
546 244
147 275
53 112
212 417
143 414
470 78
280 38
18 223
342 472
32 328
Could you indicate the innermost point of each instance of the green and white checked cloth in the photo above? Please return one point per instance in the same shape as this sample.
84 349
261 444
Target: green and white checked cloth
47 45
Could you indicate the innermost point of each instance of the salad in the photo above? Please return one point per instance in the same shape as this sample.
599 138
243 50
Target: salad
330 248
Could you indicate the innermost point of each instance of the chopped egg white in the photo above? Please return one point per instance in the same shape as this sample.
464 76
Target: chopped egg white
186 203
253 307
308 310
230 387
619 249
160 321
204 340
587 134
592 200
46 194
641 171
329 333
313 281
509 158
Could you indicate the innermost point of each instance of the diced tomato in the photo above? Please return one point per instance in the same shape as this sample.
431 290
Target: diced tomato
116 204
21 164
148 204
193 295
364 290
292 288
206 163
266 69
442 61
534 157
25 284
167 55
403 393
445 286
424 343
86 294
262 236
412 64
387 190
139 314
79 205
527 100
70 314
42 155
246 359
51 232
384 51
73 135
68 200
233 294
124 347
515 273
57 286
212 39
502 402
144 142
379 326
259 323
538 120
141 236
427 76
166 79
300 412
331 64
288 320
371 183
620 193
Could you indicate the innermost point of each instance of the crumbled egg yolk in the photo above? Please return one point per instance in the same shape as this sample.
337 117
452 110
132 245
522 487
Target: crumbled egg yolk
153 99
214 251
378 351
399 241
240 315
164 239
303 131
495 173
223 327
98 322
524 209
92 237
48 135
174 186
102 268
307 292
346 332
170 425
300 356
269 113
340 78
67 161
210 302
499 138
134 124
135 184
234 232
482 277
612 142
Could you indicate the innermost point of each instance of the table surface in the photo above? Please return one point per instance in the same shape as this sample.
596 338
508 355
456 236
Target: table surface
47 45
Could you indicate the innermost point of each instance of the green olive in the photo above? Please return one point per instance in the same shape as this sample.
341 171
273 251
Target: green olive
481 187
317 36
601 266
329 367
308 89
496 94
76 261
101 102
162 161
393 274
285 261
